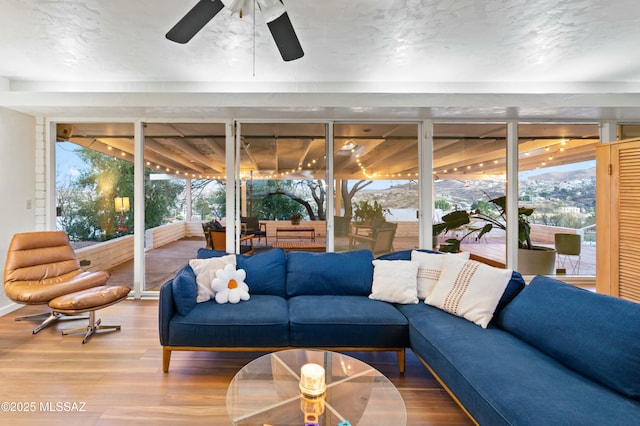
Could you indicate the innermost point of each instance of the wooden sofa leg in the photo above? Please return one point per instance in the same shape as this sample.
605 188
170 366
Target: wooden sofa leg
166 359
401 360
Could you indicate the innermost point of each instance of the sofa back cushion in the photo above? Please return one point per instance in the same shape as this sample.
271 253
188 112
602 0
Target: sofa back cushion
347 273
594 334
185 290
204 253
266 270
515 286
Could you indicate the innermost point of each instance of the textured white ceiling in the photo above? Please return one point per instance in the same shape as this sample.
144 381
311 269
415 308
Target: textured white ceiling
395 46
344 41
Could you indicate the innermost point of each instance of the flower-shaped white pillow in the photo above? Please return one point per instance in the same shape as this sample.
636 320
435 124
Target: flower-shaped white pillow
205 270
229 285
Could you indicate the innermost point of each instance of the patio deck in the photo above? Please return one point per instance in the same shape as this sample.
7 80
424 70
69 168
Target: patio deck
161 264
495 254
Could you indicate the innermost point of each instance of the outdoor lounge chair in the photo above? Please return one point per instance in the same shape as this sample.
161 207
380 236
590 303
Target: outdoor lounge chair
219 242
377 238
252 225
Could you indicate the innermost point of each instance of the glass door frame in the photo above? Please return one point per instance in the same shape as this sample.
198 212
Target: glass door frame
232 146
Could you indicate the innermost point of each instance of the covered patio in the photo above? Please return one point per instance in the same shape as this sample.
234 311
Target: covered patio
162 263
462 152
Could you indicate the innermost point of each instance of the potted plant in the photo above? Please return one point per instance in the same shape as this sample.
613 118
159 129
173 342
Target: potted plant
532 260
370 214
295 218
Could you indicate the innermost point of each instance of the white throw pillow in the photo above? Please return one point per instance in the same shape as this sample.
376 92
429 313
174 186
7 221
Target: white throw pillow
394 281
429 269
205 270
469 289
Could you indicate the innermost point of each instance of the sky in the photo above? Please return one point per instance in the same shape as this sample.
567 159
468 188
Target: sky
562 168
68 164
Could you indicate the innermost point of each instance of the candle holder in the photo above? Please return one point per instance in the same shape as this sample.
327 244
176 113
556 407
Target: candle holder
312 408
312 382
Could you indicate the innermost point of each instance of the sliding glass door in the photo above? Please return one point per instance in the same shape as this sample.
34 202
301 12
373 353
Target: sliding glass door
376 186
286 185
283 190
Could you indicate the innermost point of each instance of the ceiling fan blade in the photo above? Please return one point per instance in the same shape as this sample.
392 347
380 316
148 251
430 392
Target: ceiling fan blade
282 31
194 20
285 37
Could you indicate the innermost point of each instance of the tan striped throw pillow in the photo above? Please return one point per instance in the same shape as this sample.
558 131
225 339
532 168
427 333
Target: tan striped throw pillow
469 289
429 269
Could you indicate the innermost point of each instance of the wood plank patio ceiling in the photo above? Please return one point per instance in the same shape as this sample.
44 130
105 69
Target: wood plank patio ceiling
361 150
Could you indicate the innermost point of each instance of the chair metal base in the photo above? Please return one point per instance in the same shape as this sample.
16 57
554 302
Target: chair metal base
572 260
50 318
93 328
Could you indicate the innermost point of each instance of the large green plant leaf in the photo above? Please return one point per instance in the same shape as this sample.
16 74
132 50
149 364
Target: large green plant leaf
450 245
456 219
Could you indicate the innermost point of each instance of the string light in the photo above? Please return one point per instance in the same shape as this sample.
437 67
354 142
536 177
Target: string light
560 146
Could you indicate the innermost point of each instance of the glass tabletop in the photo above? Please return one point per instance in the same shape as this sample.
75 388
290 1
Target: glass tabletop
266 392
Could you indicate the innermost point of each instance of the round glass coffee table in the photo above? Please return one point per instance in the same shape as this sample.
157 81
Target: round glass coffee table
266 392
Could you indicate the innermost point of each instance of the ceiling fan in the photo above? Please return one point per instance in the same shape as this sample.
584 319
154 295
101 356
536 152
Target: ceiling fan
273 11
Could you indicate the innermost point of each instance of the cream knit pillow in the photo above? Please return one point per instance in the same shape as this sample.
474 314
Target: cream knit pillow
394 281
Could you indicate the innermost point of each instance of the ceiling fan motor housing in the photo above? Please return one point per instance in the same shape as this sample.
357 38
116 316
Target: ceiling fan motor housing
271 9
237 5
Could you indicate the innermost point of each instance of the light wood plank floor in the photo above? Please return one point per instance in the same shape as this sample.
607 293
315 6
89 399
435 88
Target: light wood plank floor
117 379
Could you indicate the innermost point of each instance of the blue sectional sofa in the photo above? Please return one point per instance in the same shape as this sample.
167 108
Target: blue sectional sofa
553 353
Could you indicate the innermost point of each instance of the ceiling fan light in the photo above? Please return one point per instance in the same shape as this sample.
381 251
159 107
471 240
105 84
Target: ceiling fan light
348 146
235 5
271 9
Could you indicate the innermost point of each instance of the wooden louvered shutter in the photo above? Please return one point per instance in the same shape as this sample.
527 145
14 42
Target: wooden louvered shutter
619 255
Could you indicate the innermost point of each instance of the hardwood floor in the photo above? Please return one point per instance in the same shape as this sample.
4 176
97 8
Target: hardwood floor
117 379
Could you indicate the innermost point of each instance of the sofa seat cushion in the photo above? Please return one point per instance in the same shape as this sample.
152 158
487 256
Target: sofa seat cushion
346 321
502 380
348 273
596 335
262 321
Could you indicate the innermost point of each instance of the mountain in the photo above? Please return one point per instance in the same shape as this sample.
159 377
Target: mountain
402 196
589 173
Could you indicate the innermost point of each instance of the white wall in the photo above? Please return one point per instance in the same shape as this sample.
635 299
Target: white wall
17 182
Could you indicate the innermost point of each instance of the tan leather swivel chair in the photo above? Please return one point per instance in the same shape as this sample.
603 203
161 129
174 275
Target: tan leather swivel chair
41 266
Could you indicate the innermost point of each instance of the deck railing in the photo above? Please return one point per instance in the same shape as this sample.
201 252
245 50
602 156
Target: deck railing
108 254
